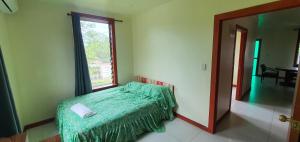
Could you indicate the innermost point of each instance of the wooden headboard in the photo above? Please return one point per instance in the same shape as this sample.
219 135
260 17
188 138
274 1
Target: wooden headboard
156 82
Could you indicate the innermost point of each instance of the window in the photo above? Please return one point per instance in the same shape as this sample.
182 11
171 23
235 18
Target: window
256 57
99 43
297 57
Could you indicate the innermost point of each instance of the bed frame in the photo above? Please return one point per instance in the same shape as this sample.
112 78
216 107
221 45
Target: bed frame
156 82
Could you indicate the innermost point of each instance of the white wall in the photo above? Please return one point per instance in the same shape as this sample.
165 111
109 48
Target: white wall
278 47
173 40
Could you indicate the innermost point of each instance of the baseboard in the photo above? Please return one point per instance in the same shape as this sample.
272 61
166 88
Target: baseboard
36 124
192 122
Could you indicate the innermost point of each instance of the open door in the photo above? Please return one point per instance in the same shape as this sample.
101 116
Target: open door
240 74
294 121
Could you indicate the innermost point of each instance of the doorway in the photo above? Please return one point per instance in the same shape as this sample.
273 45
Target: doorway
239 56
219 19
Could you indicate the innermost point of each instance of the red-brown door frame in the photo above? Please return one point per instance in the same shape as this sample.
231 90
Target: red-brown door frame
240 75
218 20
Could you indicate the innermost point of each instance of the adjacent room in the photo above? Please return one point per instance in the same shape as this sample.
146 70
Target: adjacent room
149 70
264 51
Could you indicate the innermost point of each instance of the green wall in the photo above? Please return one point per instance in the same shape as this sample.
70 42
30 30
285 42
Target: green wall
171 42
41 40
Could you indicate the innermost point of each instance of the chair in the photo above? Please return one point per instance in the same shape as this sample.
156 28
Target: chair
291 77
268 72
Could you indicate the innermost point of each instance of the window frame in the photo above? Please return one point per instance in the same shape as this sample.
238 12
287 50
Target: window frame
297 50
112 37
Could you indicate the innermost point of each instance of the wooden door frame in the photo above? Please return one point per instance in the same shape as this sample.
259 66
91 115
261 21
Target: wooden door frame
216 53
240 75
294 135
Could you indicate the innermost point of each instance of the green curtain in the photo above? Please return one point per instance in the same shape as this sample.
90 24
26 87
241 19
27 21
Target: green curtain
9 122
83 83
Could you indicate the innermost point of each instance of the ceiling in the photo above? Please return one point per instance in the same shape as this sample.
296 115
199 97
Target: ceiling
127 7
284 19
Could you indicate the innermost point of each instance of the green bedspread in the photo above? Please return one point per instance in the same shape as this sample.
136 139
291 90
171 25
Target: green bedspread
122 113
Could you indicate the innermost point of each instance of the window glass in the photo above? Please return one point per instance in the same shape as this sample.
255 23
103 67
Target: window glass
96 38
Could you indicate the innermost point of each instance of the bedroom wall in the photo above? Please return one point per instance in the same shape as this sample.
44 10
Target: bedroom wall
42 47
9 62
173 41
278 47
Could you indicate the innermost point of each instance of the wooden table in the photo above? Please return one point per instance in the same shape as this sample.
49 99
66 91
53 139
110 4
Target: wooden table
288 72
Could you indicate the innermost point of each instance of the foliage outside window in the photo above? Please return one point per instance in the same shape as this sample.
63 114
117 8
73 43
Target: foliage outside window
98 43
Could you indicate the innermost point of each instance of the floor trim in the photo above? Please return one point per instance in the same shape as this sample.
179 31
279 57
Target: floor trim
192 122
37 124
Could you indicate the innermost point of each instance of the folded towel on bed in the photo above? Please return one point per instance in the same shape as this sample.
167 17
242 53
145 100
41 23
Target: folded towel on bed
82 110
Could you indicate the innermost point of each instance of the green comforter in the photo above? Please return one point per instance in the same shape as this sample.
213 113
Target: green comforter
122 113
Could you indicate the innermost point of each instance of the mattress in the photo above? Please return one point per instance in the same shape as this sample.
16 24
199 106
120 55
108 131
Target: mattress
122 113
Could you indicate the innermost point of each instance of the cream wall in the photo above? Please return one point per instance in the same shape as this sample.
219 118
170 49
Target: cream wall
171 42
41 40
278 47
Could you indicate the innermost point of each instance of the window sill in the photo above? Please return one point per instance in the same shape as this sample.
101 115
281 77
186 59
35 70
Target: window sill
105 87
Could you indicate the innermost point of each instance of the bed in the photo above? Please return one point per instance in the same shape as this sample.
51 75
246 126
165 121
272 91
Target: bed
122 113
